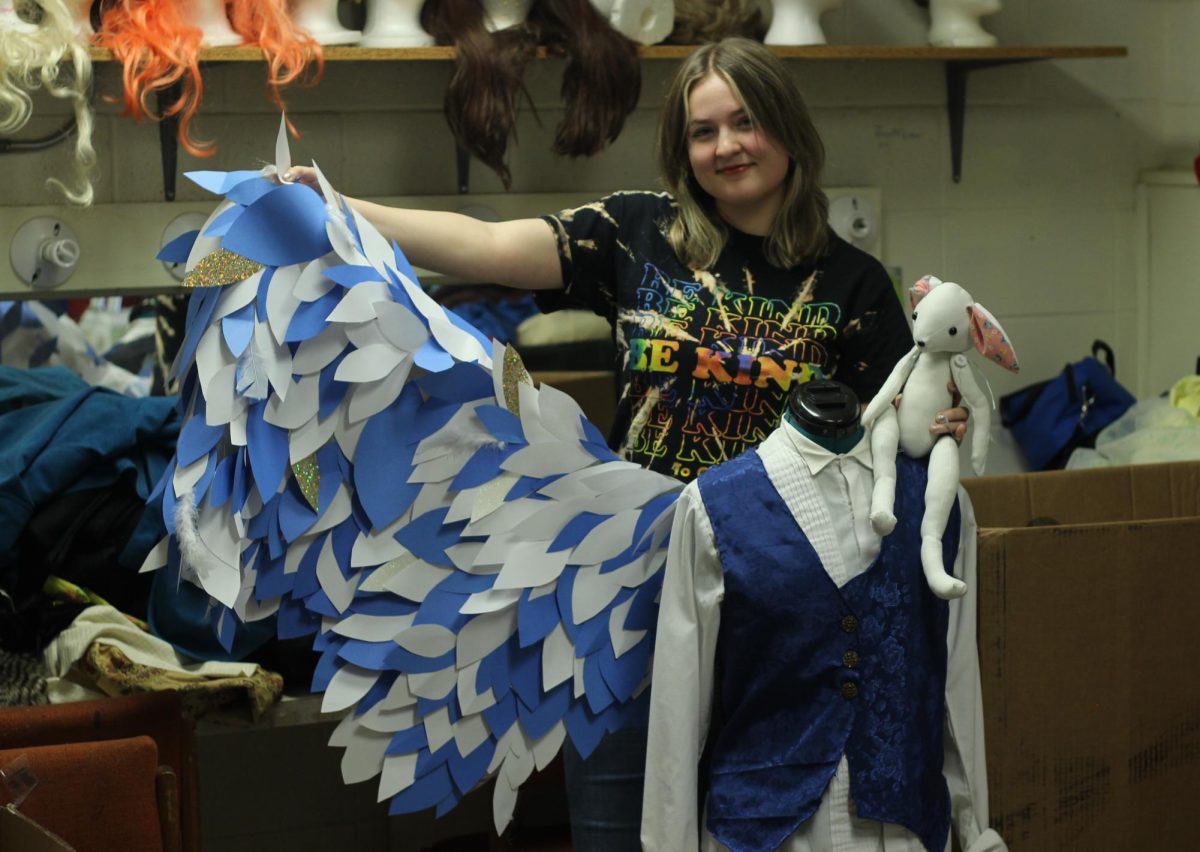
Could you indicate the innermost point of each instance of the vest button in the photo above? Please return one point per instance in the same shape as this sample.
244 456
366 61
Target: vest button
850 659
849 623
849 690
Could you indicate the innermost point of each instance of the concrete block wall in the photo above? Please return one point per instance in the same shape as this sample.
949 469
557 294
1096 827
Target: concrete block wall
1041 228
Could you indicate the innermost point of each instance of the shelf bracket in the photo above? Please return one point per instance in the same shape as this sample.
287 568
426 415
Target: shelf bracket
168 136
956 101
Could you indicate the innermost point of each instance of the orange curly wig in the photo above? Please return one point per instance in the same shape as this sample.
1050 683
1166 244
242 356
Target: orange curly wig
157 47
289 49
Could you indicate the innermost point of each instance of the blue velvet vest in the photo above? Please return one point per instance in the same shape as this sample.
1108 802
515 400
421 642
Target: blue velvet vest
809 671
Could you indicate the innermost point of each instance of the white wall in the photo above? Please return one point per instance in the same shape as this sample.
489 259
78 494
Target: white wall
1041 228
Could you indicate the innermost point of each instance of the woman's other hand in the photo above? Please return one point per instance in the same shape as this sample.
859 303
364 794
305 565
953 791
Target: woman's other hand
952 421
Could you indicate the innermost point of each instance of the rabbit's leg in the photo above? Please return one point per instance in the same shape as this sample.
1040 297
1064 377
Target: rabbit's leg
940 491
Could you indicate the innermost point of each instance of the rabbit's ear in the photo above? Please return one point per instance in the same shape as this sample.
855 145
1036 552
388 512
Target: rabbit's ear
921 289
989 338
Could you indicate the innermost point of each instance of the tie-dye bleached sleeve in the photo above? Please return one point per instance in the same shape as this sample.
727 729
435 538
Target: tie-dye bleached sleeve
589 240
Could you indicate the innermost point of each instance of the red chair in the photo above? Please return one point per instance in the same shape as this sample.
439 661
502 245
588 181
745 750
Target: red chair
100 796
157 715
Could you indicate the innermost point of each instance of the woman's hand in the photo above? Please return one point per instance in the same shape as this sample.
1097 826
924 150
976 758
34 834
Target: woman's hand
952 421
305 175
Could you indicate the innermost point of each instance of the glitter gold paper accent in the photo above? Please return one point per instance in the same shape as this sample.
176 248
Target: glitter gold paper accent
308 477
220 268
514 374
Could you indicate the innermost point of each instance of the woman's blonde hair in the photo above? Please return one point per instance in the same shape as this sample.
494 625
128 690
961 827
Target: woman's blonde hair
761 83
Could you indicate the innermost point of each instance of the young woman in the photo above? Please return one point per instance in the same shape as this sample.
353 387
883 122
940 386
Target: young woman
722 292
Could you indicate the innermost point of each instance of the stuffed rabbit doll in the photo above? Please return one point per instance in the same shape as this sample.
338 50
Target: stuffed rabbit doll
946 323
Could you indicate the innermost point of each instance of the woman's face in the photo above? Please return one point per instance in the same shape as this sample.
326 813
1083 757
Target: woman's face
735 162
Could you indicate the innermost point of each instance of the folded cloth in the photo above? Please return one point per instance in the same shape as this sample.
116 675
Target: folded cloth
102 653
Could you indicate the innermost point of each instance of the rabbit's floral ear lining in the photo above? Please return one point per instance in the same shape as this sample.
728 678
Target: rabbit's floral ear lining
921 289
989 338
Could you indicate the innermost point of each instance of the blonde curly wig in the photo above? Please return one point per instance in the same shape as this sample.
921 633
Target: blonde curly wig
51 57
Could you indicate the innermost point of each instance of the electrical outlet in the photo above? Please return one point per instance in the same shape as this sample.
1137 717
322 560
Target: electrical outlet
856 215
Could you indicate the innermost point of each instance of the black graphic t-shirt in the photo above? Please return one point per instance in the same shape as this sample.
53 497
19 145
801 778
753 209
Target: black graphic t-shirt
706 357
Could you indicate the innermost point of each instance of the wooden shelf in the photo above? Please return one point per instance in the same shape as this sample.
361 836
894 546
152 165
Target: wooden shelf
671 51
957 62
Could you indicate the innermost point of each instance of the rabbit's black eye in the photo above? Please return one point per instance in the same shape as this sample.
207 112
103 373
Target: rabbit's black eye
953 331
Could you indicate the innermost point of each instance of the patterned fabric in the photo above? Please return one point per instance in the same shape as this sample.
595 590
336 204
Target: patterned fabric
22 680
895 752
706 356
115 674
989 338
858 670
921 289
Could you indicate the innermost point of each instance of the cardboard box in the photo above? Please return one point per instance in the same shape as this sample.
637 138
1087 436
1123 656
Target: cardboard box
1088 636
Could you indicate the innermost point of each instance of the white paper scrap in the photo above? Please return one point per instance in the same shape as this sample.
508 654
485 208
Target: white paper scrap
363 758
484 634
337 588
427 640
370 364
374 628
528 564
358 305
318 352
347 686
558 655
399 772
401 326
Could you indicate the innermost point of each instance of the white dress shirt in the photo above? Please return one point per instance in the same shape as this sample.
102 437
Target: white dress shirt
830 497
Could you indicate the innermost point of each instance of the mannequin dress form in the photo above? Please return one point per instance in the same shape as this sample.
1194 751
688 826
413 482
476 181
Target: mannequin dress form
726 588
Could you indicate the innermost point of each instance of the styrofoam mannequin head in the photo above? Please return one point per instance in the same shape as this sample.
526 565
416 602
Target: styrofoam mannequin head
643 21
11 19
209 17
320 20
798 21
502 14
955 23
394 23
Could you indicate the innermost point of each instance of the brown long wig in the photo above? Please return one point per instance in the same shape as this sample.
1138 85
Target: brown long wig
602 79
487 82
762 84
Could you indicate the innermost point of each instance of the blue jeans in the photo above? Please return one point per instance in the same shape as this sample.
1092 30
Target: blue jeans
604 792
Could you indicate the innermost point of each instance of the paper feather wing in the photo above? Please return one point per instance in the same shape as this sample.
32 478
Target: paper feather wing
480 572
